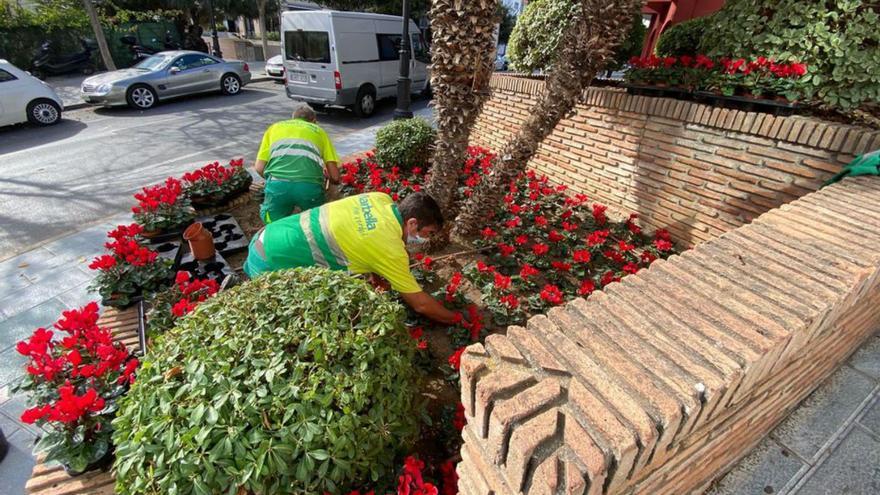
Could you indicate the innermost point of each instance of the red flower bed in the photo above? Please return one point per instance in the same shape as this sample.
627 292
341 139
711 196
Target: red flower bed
72 382
760 77
542 248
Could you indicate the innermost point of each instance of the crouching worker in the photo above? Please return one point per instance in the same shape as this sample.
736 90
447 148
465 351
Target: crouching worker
366 233
294 157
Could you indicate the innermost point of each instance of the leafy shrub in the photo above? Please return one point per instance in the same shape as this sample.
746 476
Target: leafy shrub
537 33
538 30
299 381
837 39
405 143
683 38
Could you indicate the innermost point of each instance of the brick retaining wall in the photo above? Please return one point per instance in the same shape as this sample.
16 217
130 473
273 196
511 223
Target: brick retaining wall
659 383
696 170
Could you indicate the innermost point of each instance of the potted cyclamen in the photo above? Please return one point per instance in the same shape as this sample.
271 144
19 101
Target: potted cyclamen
178 300
162 208
215 184
73 381
129 270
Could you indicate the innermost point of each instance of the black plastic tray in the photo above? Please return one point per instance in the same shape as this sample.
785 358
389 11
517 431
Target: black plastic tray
228 235
216 269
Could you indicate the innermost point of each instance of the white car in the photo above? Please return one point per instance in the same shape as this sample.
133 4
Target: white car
24 98
275 68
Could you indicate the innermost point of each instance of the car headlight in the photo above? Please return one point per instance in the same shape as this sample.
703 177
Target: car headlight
103 89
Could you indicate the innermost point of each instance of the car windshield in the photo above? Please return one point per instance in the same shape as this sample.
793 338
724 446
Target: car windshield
153 63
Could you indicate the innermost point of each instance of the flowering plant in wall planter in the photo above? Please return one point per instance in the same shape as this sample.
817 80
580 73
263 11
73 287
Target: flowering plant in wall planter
162 207
129 269
215 183
178 300
760 77
73 380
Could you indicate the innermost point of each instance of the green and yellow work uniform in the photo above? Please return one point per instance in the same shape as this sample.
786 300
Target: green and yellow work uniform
295 152
360 234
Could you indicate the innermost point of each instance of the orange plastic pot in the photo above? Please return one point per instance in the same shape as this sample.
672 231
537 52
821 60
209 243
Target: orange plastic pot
201 242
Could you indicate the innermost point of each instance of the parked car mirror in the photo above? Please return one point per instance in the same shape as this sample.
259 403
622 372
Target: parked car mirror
174 70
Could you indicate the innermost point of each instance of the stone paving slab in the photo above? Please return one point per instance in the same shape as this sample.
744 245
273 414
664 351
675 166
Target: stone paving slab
808 429
829 445
16 467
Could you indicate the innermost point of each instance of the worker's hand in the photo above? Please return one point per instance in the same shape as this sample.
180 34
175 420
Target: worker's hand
379 283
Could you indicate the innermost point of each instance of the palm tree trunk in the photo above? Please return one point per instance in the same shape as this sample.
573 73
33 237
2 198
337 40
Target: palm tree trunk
99 34
599 27
261 11
462 54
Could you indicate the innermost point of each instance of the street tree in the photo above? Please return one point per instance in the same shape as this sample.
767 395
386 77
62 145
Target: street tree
99 34
598 27
462 57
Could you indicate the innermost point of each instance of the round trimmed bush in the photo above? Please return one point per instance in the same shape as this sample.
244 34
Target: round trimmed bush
405 143
300 381
683 38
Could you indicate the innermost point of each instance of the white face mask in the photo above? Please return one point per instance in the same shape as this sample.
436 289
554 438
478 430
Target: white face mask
415 240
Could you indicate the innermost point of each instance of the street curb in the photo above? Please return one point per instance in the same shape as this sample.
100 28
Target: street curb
78 106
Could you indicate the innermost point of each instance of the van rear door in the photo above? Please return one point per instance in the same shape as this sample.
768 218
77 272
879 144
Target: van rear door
309 57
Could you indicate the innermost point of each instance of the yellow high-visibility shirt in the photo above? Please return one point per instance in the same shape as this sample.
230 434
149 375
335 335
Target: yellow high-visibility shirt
361 234
296 150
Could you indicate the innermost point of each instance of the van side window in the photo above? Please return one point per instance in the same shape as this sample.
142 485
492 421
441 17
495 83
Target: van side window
5 76
419 51
389 46
307 46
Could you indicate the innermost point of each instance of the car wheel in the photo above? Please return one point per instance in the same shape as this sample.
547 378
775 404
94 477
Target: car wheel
426 93
230 84
365 104
43 112
141 97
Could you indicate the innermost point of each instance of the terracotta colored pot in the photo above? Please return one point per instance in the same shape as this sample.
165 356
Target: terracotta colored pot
201 242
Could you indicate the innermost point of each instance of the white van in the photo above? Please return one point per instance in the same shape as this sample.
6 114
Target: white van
348 59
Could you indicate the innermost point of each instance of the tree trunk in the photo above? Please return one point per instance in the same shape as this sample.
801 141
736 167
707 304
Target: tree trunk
99 35
261 12
462 55
599 27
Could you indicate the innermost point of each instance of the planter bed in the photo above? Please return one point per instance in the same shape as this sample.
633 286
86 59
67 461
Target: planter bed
781 108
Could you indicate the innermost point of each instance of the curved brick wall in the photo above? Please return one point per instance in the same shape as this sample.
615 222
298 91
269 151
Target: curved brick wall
659 383
696 170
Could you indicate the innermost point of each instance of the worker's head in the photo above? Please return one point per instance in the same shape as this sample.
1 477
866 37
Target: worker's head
305 112
421 217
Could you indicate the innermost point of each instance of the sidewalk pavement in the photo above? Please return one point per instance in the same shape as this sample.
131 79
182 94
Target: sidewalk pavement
830 444
68 87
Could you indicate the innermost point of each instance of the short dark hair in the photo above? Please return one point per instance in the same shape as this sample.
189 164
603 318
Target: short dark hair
423 208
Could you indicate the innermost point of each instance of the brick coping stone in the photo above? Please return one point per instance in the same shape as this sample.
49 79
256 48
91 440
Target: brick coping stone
657 384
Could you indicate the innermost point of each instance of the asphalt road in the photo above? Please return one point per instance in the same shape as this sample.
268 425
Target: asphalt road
58 180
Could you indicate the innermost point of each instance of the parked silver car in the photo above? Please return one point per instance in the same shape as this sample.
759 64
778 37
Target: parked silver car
166 75
275 68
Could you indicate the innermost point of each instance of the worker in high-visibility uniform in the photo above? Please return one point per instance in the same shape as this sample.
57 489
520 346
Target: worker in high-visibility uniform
293 157
366 233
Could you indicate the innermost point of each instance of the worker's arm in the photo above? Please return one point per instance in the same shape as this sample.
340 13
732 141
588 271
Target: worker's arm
260 166
425 305
332 171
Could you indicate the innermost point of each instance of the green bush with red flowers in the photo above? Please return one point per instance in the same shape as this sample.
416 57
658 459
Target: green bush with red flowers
299 381
163 207
73 380
129 270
